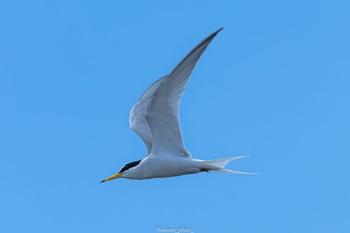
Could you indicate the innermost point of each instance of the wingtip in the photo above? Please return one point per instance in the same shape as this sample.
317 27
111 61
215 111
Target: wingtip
214 34
102 181
219 30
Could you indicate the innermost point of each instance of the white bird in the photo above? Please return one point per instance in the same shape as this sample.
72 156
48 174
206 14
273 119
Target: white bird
155 118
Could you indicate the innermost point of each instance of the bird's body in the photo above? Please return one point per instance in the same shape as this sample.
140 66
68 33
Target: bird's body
155 118
154 166
163 166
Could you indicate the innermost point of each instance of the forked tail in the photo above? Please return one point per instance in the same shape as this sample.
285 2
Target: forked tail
218 165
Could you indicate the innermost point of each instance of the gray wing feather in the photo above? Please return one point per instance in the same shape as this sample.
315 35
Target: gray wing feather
137 118
162 109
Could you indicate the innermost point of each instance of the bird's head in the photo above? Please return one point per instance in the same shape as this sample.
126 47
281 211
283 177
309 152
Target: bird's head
122 171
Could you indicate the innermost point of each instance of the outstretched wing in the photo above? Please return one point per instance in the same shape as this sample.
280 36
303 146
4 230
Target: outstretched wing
137 118
162 108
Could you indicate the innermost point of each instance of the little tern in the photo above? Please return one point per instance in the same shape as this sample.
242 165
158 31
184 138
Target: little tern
155 118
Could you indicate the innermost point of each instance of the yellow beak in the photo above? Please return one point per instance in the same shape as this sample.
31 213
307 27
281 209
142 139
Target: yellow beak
115 176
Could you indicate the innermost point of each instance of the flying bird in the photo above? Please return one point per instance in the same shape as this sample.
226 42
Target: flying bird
155 118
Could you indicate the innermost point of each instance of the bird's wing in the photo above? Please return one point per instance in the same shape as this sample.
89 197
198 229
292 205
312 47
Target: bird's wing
162 113
137 118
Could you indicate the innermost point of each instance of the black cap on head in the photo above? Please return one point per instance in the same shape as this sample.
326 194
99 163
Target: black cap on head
129 165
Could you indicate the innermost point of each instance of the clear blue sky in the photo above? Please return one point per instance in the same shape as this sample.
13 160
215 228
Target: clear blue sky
274 85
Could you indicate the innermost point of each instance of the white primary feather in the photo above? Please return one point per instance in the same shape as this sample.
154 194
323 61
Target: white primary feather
155 118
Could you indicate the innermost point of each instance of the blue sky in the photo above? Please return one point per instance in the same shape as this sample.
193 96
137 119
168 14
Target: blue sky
274 85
